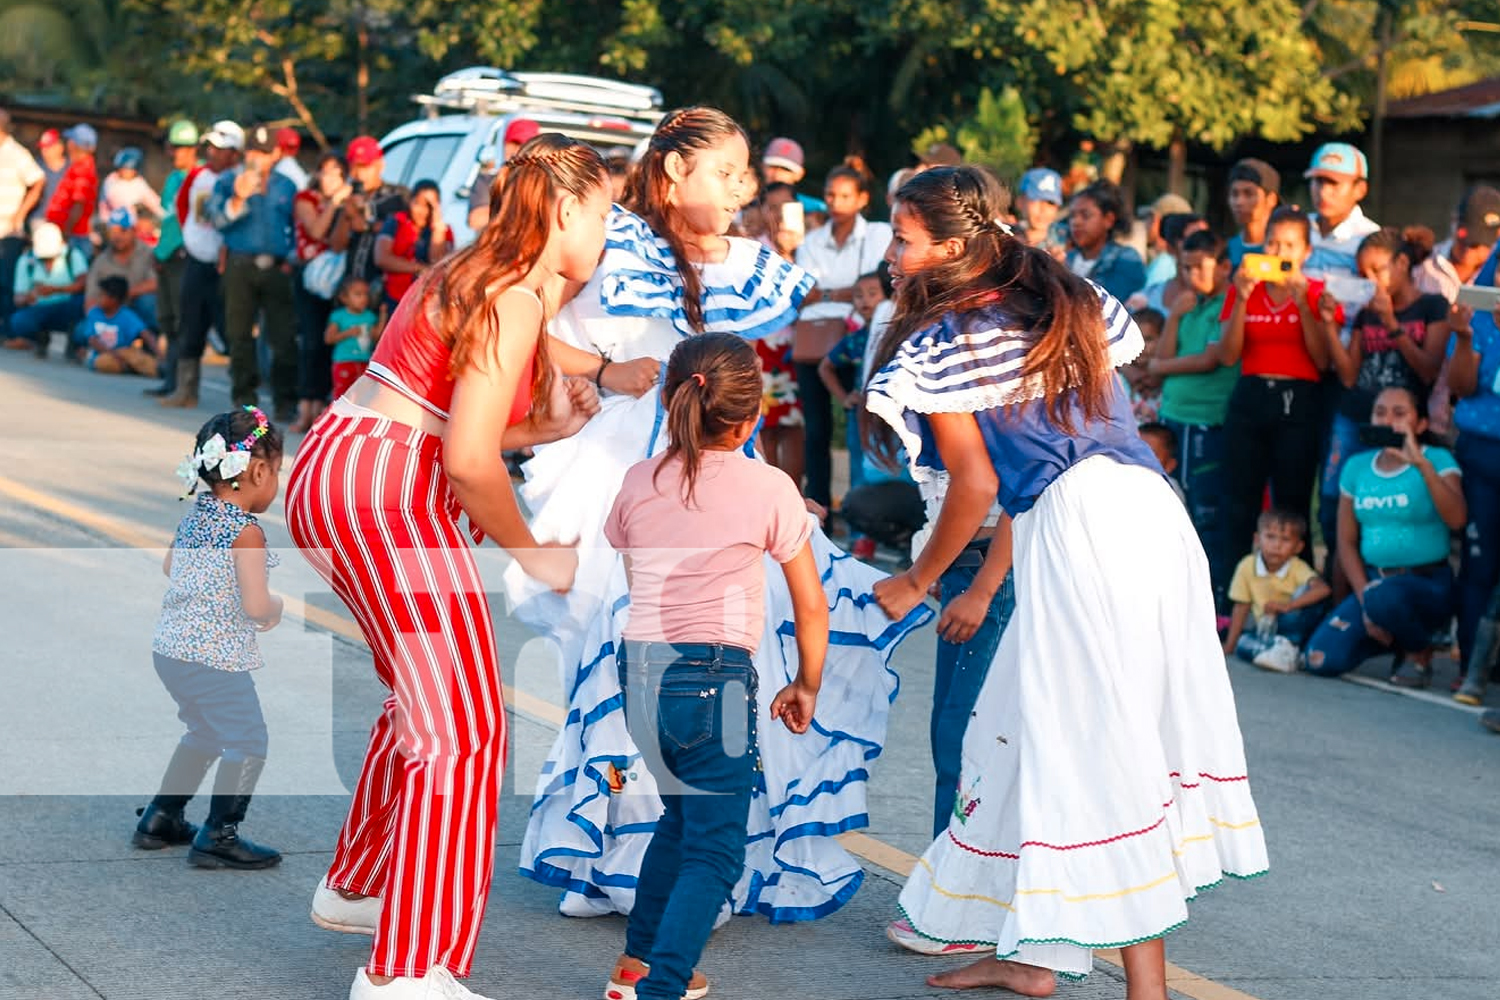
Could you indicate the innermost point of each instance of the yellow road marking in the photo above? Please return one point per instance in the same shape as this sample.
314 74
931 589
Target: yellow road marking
877 852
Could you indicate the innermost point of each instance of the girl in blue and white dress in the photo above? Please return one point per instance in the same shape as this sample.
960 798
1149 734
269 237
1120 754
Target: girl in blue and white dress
1103 777
670 273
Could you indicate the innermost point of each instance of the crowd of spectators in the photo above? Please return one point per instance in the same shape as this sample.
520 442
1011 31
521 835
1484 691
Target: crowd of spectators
1325 406
242 250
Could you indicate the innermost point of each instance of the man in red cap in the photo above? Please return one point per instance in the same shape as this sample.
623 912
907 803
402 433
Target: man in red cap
52 154
288 142
518 133
366 210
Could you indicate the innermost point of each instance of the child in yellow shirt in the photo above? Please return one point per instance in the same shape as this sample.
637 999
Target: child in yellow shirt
1277 594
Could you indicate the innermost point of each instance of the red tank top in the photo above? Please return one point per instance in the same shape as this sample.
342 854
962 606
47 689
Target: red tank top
412 359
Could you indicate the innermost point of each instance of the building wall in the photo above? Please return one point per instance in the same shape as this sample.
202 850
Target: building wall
1430 162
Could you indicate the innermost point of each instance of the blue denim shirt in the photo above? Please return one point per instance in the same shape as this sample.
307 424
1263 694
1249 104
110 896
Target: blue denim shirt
1119 270
264 224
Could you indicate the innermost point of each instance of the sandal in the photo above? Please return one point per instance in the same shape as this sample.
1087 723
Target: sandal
1411 674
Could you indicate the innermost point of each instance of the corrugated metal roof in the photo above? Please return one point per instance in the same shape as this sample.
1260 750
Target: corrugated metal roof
1477 100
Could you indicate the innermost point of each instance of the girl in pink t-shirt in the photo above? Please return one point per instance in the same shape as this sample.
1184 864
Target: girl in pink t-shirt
694 525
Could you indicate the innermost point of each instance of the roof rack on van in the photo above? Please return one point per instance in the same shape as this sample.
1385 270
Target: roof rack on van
486 90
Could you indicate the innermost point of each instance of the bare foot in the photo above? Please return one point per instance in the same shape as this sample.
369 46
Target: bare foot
1027 980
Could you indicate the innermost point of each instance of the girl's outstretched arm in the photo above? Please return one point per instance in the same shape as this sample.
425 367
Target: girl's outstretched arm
795 703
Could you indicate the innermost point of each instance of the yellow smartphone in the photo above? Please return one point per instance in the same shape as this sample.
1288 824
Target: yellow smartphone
1264 267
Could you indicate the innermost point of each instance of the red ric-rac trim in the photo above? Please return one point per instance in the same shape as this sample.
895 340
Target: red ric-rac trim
1204 774
1091 843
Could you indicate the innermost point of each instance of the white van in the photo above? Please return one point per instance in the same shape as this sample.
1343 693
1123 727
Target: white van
468 110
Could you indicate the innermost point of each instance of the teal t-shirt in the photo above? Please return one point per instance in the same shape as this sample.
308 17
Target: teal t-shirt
1203 397
1398 524
350 349
170 239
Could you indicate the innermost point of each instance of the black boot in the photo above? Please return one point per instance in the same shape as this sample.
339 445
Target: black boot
218 844
162 823
168 374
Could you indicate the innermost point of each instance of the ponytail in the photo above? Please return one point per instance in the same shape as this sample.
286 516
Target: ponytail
686 131
712 386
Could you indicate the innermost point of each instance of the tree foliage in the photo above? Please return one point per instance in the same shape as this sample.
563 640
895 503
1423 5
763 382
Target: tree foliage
999 77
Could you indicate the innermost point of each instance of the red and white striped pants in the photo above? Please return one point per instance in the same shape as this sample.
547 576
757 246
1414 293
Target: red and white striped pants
370 507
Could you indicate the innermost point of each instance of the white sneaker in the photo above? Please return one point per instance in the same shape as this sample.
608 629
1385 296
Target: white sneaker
331 911
1281 656
438 984
904 934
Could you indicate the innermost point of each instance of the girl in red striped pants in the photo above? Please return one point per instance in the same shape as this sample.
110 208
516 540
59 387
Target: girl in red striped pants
461 374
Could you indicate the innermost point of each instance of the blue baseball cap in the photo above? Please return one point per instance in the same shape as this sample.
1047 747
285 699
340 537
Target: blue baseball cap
84 135
122 217
1042 184
129 158
1338 159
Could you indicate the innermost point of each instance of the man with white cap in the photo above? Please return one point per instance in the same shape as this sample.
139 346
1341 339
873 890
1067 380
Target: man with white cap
21 183
48 290
199 295
73 202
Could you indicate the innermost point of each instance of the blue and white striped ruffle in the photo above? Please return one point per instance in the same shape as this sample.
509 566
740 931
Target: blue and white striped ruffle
968 363
641 280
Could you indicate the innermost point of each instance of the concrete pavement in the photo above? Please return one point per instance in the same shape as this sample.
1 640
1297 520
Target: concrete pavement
1381 811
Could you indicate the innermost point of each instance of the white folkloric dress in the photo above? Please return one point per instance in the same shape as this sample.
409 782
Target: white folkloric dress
595 805
1103 778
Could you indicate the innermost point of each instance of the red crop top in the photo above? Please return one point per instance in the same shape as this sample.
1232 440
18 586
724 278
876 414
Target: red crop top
414 361
1273 342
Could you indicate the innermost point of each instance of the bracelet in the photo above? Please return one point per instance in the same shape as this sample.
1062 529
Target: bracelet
598 375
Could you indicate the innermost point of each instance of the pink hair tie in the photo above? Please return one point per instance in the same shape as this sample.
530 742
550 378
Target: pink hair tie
698 377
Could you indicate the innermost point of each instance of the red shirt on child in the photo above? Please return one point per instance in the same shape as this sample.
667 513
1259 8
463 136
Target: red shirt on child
1273 333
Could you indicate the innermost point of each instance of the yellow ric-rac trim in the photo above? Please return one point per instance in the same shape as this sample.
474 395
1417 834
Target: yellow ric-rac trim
1235 826
1095 896
976 897
962 897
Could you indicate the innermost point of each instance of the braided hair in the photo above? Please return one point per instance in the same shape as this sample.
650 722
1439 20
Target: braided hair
686 132
1061 311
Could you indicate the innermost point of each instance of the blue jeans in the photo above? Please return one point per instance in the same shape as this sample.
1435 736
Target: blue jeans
1294 626
219 707
1343 444
691 710
144 306
855 447
35 322
961 669
1201 474
1410 606
1479 573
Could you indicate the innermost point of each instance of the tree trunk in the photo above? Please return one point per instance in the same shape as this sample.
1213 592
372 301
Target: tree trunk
1377 123
1113 167
362 74
1177 164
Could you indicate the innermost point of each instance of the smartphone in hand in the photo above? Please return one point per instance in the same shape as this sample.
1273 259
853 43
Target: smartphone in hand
1480 298
1380 436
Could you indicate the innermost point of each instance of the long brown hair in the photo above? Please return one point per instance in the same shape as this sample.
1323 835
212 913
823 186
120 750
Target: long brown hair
712 385
466 285
1038 294
686 132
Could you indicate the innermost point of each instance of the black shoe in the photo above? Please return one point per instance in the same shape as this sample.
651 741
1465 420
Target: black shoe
160 828
218 844
223 847
159 390
162 824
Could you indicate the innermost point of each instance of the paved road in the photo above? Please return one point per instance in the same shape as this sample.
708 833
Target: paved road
1381 811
